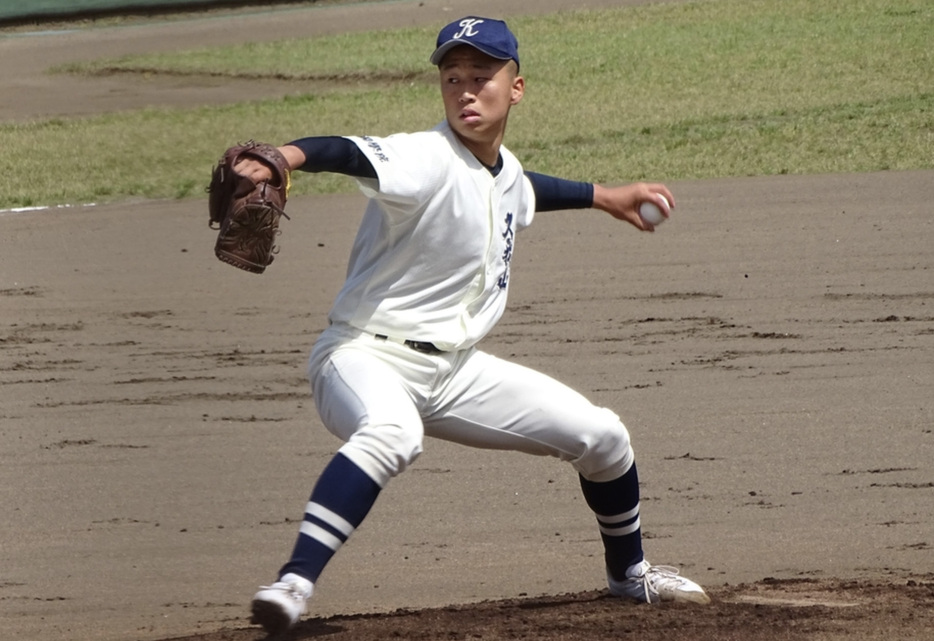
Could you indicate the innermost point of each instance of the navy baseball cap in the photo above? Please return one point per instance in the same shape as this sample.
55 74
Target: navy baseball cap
490 36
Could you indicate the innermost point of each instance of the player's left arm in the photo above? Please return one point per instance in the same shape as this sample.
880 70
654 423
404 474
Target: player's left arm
553 194
315 154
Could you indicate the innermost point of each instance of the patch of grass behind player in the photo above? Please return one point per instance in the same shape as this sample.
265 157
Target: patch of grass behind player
163 153
351 57
695 90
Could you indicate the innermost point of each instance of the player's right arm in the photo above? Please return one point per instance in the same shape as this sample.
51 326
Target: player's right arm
555 194
623 202
552 194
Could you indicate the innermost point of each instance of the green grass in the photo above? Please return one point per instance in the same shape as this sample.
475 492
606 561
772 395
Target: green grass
672 91
375 55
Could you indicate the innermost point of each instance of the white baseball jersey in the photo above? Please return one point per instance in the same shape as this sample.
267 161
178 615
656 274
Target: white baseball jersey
431 259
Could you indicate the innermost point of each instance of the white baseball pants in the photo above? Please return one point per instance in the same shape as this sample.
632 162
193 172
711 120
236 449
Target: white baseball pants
382 398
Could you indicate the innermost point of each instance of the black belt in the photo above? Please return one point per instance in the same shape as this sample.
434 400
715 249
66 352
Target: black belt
419 346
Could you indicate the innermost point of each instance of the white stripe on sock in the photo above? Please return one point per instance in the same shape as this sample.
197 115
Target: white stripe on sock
330 517
621 531
619 518
321 535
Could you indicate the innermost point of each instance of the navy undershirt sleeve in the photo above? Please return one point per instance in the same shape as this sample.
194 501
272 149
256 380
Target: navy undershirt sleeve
334 154
552 194
340 155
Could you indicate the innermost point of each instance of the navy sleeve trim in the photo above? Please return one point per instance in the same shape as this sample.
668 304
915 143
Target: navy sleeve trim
334 154
552 194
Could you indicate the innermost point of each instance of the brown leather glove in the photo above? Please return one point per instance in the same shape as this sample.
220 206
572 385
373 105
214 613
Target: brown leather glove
247 213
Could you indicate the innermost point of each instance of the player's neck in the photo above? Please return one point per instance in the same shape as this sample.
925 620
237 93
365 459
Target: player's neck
486 152
494 169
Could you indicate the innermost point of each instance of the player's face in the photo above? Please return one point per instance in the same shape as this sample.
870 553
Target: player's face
478 91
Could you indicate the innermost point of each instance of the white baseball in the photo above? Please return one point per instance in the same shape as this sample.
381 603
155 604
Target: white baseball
650 213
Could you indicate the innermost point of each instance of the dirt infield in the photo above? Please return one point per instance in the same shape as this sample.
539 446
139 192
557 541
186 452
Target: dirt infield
770 350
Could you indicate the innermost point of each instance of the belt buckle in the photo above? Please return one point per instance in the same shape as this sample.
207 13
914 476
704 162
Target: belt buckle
423 346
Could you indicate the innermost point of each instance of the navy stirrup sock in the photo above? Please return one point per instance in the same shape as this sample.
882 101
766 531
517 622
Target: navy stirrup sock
616 506
340 501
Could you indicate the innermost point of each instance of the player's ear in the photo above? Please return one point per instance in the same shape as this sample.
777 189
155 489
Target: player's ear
518 90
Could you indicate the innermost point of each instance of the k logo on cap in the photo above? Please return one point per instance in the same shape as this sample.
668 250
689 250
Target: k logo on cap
490 36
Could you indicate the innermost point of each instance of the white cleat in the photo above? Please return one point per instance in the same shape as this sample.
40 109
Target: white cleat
655 583
279 606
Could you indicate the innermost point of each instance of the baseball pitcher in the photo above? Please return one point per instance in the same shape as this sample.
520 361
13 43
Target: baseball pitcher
427 279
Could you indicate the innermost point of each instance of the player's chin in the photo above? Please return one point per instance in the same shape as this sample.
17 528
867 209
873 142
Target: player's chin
460 123
472 130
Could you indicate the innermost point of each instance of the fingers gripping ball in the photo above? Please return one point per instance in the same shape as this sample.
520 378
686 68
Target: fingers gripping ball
650 213
247 213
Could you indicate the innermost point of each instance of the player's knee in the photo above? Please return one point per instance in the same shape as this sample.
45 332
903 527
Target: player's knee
609 452
384 451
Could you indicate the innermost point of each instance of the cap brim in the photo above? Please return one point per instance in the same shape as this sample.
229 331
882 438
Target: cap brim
439 53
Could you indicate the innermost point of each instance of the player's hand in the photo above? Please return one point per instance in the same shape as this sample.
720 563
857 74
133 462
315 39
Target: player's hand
255 170
258 171
623 203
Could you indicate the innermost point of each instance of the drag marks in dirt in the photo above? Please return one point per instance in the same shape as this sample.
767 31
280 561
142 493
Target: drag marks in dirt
771 610
50 356
36 333
886 470
905 485
21 291
690 457
180 397
84 442
875 296
815 334
31 359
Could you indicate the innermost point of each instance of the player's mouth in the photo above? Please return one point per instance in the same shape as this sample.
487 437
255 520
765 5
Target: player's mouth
470 116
